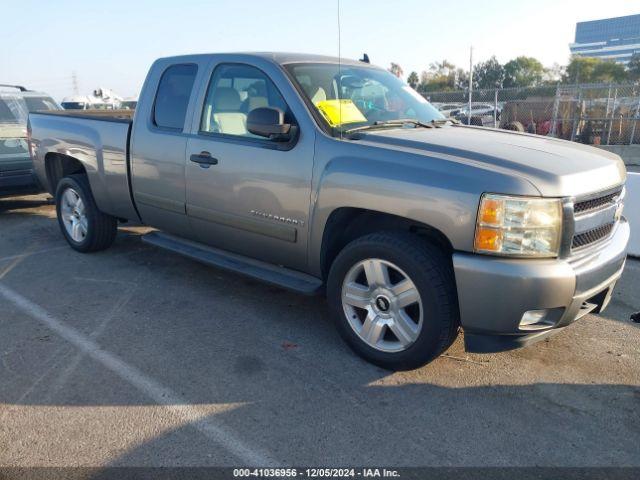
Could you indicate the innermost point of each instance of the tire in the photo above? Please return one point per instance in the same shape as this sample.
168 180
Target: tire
514 127
94 230
405 256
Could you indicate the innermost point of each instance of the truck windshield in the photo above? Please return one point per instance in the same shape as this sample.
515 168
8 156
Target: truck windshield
348 96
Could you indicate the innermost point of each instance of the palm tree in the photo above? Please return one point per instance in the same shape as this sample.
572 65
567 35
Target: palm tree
396 70
413 79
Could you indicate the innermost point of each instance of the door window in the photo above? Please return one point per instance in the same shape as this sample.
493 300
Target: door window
172 97
233 92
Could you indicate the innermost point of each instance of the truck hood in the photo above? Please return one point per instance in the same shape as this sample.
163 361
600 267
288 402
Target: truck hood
555 167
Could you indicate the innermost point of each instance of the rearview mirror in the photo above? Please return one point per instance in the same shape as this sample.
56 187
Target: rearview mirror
268 122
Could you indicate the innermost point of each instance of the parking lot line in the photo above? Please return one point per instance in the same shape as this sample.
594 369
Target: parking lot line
79 356
160 394
35 252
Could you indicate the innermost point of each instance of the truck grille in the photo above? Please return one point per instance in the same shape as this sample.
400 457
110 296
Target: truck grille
595 203
592 236
595 219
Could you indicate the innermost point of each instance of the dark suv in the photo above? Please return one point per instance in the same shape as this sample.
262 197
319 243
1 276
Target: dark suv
16 169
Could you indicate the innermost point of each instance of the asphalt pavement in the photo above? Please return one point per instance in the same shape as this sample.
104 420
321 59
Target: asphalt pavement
136 356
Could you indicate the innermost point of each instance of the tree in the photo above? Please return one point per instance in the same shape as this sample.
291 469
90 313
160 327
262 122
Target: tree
444 68
593 70
633 68
441 76
580 70
489 74
609 71
413 79
396 70
553 74
523 72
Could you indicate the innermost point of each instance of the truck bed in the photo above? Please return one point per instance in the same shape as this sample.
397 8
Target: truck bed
99 139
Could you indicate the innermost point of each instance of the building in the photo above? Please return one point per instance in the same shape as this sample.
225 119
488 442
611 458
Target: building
611 38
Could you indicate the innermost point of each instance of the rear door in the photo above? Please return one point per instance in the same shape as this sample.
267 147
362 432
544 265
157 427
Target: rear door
255 199
159 140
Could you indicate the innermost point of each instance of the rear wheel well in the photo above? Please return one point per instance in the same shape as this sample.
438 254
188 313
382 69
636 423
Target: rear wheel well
59 166
346 224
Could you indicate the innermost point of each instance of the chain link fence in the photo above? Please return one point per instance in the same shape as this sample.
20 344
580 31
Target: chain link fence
594 114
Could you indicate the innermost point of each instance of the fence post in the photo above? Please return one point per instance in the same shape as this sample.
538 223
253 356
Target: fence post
556 106
636 119
613 112
606 113
495 111
577 114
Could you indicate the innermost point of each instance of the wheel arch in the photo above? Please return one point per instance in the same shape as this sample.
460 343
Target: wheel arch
345 224
58 166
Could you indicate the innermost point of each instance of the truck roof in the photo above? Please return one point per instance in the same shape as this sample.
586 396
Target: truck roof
281 58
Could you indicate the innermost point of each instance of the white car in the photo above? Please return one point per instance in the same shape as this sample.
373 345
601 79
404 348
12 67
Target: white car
482 114
449 109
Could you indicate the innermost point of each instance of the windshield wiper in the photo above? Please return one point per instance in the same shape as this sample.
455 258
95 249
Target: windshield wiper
389 123
443 121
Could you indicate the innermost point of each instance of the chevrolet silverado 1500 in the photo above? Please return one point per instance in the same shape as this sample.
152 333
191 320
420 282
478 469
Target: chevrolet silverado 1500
327 176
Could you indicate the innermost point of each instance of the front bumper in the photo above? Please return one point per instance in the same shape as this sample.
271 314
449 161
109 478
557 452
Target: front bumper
494 293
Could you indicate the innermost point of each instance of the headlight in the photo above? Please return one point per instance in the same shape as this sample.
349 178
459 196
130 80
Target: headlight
518 226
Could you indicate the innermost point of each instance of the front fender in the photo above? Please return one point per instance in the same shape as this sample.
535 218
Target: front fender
430 190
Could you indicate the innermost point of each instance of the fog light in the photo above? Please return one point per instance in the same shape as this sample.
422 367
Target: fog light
540 319
532 316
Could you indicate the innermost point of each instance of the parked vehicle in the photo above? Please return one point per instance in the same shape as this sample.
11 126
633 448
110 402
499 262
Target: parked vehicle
16 168
109 98
449 109
321 176
480 109
85 102
129 103
482 114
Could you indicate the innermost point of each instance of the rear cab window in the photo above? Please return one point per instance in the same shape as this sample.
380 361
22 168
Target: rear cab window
172 96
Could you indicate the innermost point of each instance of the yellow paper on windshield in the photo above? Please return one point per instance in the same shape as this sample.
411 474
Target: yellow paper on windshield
340 112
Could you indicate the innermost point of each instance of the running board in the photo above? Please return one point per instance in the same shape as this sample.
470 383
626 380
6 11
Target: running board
265 272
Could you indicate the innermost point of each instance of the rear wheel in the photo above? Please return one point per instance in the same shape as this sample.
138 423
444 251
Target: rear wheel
85 228
393 299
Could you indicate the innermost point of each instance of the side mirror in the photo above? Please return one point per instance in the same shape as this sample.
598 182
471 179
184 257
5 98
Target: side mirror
268 122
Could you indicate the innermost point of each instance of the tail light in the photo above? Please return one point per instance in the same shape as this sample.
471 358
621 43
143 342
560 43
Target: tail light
32 150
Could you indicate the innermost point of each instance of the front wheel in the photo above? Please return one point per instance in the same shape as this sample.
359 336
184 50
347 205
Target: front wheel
85 228
393 299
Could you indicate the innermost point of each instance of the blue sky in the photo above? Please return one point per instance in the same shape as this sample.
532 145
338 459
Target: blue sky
111 44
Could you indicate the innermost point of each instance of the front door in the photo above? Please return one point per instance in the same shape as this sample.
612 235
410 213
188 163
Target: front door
250 195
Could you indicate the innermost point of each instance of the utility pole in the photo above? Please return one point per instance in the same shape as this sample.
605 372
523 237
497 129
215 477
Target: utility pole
74 82
470 83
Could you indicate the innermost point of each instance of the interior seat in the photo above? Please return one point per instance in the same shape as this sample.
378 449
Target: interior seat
316 94
227 116
251 103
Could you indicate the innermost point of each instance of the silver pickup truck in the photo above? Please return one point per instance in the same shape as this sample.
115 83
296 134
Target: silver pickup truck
335 177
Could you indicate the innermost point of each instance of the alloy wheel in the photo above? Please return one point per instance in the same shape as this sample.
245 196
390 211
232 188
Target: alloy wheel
382 305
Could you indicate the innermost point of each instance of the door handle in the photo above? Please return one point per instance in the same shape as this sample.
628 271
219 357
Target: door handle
204 159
